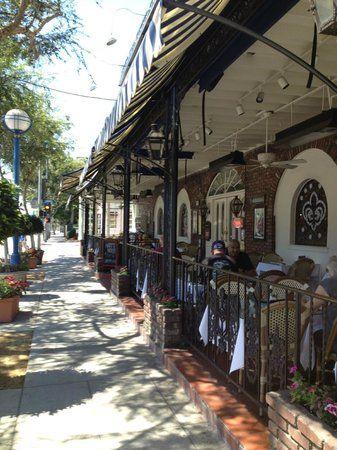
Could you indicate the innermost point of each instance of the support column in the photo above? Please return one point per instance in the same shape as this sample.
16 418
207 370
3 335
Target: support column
104 209
86 228
126 215
93 216
171 190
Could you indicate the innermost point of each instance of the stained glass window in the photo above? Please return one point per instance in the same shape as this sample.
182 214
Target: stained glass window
183 221
311 215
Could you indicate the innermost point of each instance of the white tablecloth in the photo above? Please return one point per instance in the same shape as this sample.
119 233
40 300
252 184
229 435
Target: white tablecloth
317 324
238 359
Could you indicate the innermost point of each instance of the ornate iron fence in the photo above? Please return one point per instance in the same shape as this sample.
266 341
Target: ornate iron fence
254 331
145 268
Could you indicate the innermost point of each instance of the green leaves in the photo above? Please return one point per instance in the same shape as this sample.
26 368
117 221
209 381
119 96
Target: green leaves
9 209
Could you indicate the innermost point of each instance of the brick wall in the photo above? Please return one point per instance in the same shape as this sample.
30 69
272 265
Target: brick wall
259 183
162 325
293 428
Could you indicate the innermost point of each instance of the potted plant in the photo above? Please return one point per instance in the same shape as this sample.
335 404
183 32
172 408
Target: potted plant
31 258
39 255
10 291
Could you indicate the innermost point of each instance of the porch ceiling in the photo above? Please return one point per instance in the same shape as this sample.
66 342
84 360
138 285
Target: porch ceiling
259 69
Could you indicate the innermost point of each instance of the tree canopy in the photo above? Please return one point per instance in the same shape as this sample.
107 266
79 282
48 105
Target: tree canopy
39 27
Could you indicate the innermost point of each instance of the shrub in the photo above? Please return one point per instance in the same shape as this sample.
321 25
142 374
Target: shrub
159 295
9 209
10 287
71 233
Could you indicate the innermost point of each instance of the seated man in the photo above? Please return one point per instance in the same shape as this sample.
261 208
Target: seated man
240 261
218 260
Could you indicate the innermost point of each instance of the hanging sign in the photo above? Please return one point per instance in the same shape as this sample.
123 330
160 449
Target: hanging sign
237 222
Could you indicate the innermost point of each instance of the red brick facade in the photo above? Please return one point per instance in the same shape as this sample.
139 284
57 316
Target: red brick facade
258 183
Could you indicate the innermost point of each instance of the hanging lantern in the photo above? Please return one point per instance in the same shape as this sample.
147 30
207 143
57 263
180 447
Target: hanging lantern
156 142
236 206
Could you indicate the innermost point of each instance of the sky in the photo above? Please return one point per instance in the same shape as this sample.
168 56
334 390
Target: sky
100 22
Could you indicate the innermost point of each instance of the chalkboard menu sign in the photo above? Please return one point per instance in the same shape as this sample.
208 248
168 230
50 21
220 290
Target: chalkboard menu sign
110 252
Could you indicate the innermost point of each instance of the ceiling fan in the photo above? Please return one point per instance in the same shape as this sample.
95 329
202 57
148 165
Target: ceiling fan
268 160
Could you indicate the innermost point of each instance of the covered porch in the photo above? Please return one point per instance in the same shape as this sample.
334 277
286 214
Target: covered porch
243 147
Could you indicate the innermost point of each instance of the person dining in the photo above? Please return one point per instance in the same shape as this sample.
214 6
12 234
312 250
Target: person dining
240 261
328 288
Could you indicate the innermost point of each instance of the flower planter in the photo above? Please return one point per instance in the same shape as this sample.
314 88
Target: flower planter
120 283
292 426
163 325
9 307
90 256
39 257
32 262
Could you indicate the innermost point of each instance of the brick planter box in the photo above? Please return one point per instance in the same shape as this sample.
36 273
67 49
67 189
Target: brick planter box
90 256
120 284
293 427
162 325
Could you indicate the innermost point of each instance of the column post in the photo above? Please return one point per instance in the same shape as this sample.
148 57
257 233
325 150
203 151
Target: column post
126 211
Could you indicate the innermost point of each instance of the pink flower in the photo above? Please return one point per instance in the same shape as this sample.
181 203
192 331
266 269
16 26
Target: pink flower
294 385
331 408
293 369
312 389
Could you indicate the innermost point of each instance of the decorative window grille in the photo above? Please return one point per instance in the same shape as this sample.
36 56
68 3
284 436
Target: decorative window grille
311 221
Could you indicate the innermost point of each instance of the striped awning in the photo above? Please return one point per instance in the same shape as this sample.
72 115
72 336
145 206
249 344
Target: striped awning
70 180
156 56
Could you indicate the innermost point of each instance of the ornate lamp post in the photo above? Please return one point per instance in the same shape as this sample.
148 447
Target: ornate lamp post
17 122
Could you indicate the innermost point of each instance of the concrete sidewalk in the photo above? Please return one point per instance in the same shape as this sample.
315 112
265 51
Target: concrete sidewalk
91 383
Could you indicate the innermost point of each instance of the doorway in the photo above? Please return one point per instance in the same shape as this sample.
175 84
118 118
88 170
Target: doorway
224 188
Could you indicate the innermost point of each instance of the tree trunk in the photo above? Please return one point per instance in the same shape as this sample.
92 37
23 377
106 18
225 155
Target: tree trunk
32 240
24 198
6 251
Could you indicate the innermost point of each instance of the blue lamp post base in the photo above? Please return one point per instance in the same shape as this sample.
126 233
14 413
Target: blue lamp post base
15 256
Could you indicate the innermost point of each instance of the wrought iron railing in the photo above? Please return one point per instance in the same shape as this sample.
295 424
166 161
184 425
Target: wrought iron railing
145 267
253 331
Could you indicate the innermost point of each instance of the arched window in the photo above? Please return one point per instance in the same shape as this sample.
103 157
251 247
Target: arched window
160 221
226 181
311 219
183 221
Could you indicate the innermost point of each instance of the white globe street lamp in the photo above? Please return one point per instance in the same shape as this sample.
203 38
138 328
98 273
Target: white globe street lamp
17 122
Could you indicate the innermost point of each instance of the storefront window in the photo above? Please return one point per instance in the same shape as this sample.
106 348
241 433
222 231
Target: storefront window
311 221
113 219
183 221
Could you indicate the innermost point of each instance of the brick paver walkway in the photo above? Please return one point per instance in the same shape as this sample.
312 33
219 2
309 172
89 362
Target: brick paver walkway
91 383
